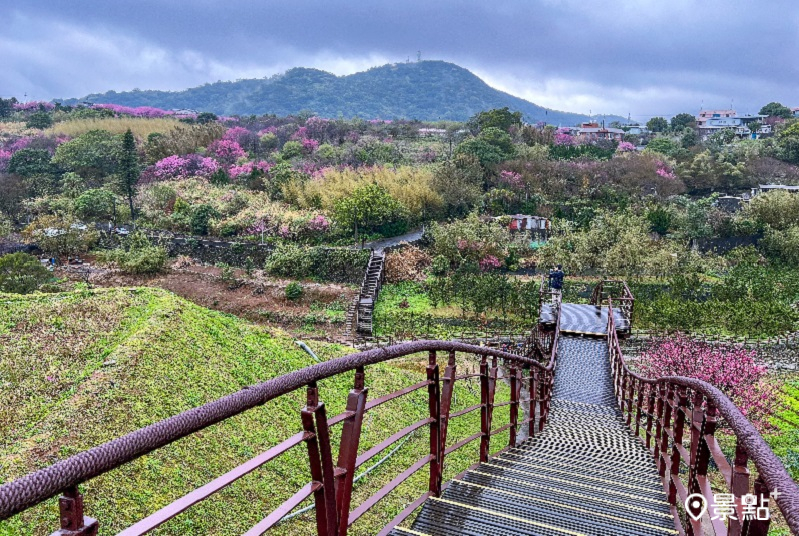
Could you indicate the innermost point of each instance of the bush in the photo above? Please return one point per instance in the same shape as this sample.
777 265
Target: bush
407 264
293 291
733 370
327 264
21 273
201 219
137 256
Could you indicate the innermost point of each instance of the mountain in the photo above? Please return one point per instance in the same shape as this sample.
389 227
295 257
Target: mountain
426 90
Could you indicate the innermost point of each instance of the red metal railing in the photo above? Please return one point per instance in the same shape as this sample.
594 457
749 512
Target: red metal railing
677 419
617 290
331 480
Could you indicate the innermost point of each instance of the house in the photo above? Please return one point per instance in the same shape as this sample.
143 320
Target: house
524 222
738 123
729 203
432 132
592 132
764 188
637 130
705 115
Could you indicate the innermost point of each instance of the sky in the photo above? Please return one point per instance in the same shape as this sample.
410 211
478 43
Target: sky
640 58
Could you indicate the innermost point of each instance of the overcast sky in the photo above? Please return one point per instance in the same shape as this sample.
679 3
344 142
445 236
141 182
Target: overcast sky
638 57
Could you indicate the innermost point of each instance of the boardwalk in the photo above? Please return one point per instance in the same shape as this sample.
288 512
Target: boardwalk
585 474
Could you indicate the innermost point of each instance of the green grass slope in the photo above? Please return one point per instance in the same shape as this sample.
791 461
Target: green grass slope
80 368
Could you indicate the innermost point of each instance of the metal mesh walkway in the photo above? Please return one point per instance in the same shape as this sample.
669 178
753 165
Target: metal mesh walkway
586 474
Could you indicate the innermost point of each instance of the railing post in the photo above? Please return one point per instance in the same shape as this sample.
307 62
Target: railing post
639 403
73 522
485 426
700 455
515 386
434 406
739 487
490 388
759 527
320 458
650 417
348 450
681 402
664 415
534 397
446 404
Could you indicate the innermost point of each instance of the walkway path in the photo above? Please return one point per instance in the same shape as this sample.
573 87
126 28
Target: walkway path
584 475
383 243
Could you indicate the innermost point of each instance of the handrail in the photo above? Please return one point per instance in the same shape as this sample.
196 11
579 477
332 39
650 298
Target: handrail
676 403
64 476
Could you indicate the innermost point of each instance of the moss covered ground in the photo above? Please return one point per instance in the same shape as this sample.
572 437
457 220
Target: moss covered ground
83 367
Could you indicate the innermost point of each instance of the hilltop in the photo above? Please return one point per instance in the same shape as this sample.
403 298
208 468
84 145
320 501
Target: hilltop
426 90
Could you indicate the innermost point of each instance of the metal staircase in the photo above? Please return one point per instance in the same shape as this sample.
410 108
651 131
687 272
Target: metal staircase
586 473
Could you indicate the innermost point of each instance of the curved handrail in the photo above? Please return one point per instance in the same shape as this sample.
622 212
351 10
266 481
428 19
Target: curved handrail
45 483
770 468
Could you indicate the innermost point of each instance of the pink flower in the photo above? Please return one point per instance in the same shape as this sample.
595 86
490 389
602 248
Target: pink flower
236 134
226 151
309 145
141 111
489 262
33 105
49 378
561 138
284 231
625 147
318 223
512 179
178 167
248 167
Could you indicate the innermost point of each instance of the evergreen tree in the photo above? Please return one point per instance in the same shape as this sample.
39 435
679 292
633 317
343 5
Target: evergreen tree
129 169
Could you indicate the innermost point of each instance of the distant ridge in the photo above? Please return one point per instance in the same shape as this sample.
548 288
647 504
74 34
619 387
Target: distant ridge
426 90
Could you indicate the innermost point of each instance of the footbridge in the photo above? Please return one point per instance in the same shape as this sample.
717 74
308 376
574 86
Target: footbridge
592 448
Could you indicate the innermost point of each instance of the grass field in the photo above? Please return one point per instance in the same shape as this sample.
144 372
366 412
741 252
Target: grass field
140 126
80 368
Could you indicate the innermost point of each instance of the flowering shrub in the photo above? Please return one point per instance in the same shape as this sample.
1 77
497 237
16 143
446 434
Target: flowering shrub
309 145
562 137
226 151
33 105
489 262
318 223
177 167
625 147
5 157
732 369
664 170
248 168
236 134
509 178
140 111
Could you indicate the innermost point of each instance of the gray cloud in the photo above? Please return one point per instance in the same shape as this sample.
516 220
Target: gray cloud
644 57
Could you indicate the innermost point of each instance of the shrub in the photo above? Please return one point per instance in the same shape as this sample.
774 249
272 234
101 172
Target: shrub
201 218
294 291
342 265
21 273
407 264
136 256
732 369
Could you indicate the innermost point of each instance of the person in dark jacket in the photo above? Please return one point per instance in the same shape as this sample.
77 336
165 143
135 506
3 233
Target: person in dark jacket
556 278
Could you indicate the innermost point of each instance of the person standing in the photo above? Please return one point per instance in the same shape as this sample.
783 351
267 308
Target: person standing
556 278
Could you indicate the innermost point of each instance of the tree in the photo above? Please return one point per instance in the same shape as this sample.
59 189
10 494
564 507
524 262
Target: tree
206 117
492 146
93 155
30 163
501 118
21 273
778 209
787 144
368 207
775 109
40 120
95 205
56 235
459 183
661 145
734 370
7 107
129 170
657 124
682 121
